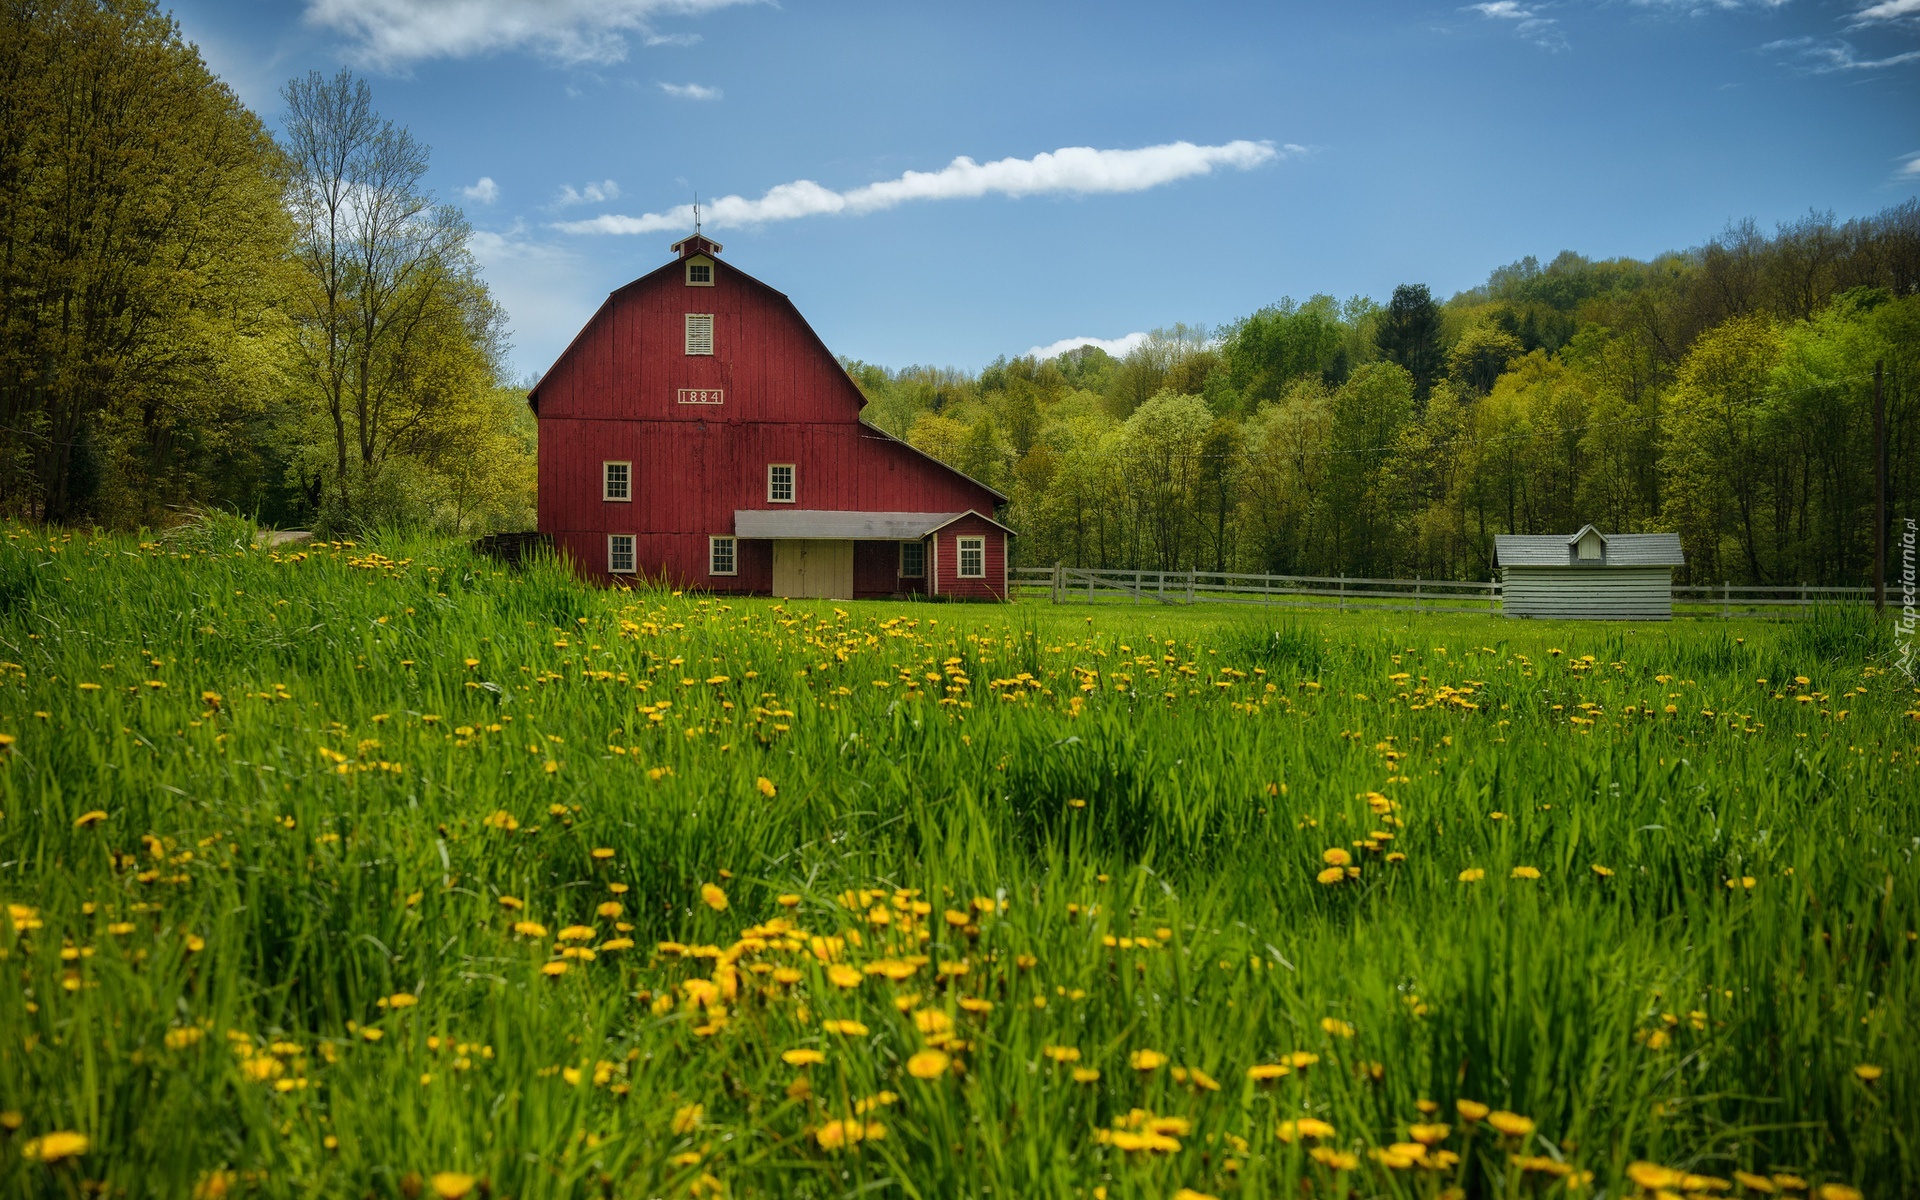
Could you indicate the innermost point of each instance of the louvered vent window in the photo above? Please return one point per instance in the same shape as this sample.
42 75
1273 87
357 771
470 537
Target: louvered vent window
699 333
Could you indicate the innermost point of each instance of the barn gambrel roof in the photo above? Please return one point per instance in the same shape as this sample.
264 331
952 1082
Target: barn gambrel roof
1557 550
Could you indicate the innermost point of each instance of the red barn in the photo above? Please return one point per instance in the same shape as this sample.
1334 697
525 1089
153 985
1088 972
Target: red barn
699 433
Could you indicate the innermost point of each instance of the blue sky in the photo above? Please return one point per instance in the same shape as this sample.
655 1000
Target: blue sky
1217 157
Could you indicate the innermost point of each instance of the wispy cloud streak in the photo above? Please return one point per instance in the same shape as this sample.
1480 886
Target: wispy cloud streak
395 33
1075 170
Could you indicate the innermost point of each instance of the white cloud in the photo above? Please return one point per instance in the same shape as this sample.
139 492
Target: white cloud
673 39
1527 22
1824 58
1118 347
1076 170
1889 10
1909 166
393 33
691 91
592 193
484 192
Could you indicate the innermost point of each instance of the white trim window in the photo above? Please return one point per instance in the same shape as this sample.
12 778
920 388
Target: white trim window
699 333
616 481
973 557
723 556
620 554
699 272
913 560
781 485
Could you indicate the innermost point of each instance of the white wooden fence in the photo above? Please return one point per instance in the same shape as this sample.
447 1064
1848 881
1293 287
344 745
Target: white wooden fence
1341 593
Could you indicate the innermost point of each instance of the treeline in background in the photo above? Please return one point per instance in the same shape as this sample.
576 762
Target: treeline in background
1724 392
194 314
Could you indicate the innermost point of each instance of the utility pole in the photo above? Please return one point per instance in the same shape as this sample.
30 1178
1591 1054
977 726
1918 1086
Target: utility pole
1879 495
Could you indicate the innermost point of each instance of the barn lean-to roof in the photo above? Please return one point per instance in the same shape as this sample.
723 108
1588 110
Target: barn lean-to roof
533 393
1557 550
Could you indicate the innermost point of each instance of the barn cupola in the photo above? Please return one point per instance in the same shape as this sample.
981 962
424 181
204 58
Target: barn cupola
687 247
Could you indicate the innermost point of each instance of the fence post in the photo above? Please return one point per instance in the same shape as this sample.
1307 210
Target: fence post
1726 598
1343 591
1054 592
1189 585
1418 604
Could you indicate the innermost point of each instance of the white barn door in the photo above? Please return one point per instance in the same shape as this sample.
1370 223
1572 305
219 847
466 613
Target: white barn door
813 568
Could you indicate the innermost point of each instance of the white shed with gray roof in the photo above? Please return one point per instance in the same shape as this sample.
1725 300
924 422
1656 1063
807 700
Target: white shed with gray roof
1588 575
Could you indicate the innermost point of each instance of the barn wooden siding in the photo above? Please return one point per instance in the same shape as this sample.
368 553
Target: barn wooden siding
614 396
1588 593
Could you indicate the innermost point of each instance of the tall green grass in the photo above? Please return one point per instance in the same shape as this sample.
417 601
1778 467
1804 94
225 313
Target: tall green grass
356 753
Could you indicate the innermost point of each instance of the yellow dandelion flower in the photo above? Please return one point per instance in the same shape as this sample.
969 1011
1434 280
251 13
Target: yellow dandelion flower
1336 1027
803 1057
1331 875
1511 1124
84 821
713 897
1146 1060
928 1064
844 976
553 969
610 909
1268 1072
765 787
1526 872
530 929
1061 1054
1868 1072
1336 1160
1838 1191
844 1028
1755 1183
1335 857
1602 872
54 1147
687 1117
1086 1074
1471 1110
1473 875
452 1185
1305 1127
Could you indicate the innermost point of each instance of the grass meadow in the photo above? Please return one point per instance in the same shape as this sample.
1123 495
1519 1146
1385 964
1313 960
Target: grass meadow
379 870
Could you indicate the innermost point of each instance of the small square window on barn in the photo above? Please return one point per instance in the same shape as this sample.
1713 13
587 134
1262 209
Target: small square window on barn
699 272
616 481
973 558
699 333
913 560
722 556
780 483
620 553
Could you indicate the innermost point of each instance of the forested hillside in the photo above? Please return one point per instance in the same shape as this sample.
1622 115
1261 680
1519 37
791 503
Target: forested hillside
1724 392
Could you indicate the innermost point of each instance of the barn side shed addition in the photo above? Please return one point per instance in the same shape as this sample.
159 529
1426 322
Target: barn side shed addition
1588 575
